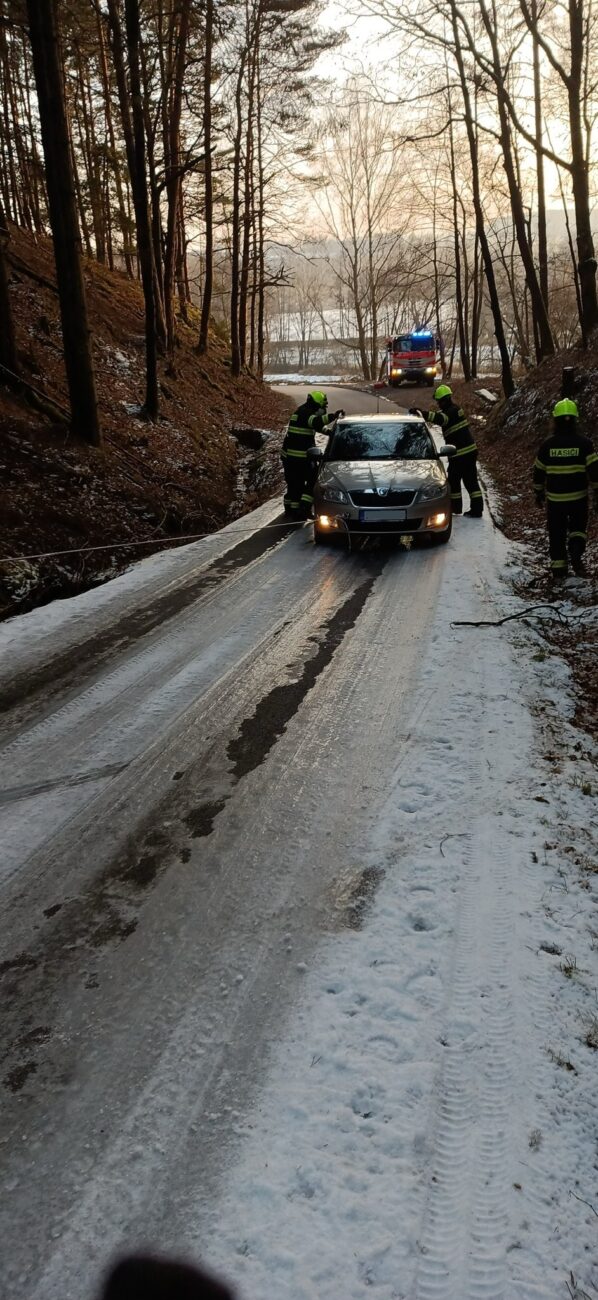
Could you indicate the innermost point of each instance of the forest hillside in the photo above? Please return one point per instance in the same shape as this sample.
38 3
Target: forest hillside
149 482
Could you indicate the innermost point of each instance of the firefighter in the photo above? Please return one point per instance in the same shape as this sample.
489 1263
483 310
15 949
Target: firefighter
565 466
462 465
309 418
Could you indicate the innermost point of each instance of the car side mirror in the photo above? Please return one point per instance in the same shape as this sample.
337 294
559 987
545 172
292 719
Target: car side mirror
315 453
447 450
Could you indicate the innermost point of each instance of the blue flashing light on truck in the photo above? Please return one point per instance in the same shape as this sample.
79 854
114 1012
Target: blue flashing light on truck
413 358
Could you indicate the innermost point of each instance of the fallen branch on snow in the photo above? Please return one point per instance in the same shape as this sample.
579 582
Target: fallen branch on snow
583 1201
555 613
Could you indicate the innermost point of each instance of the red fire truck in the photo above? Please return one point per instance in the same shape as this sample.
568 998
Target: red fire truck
413 358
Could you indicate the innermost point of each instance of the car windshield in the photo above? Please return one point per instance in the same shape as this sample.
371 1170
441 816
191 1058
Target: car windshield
388 440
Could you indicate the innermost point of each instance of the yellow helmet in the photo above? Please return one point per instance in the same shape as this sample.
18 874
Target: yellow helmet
320 399
566 407
442 391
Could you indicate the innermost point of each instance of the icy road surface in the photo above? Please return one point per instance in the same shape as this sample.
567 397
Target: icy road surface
285 924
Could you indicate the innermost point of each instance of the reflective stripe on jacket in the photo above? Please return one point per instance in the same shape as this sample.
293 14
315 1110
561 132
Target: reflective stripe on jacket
565 466
301 431
455 427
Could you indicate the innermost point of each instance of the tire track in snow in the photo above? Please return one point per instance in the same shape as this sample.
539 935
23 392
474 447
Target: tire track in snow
442 1243
463 1240
487 1258
464 1237
156 655
120 717
195 1072
163 606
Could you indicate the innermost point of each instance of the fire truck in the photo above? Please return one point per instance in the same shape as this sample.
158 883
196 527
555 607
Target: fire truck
413 358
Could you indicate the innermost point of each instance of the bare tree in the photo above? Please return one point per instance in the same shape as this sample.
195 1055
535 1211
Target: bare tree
573 61
498 70
506 370
8 346
206 304
139 185
47 63
363 209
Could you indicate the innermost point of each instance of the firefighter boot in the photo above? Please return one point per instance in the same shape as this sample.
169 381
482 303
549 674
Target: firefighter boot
578 566
577 543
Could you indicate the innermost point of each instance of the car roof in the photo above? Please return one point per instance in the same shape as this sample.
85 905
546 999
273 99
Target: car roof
375 419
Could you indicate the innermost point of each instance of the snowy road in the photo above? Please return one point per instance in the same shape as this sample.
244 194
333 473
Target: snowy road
273 984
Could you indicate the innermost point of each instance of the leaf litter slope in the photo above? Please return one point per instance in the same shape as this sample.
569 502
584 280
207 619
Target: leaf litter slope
150 483
509 437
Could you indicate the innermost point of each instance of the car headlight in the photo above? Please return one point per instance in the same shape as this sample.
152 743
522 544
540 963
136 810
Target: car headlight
430 491
334 494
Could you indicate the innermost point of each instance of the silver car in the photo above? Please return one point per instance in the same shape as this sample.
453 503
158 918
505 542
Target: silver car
382 474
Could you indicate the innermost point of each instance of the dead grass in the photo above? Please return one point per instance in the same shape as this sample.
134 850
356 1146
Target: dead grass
591 1033
561 1060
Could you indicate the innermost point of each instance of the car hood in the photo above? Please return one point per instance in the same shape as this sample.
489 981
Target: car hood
359 475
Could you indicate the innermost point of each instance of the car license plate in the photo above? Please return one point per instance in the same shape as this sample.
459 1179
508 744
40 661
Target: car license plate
382 515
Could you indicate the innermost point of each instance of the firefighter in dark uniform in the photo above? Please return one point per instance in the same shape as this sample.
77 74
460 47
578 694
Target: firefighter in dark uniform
462 466
565 466
309 418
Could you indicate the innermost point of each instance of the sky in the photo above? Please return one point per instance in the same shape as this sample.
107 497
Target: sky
361 44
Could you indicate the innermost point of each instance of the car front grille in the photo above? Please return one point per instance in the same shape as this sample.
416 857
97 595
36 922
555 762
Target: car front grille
374 499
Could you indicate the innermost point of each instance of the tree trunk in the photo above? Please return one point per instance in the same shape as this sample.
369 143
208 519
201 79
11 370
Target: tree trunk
435 268
87 142
182 276
122 214
139 184
463 342
538 305
18 162
476 309
235 232
361 334
261 254
208 286
449 371
173 176
506 371
247 206
574 265
47 64
540 180
36 167
518 324
29 150
586 257
542 324
8 346
253 292
14 209
150 172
